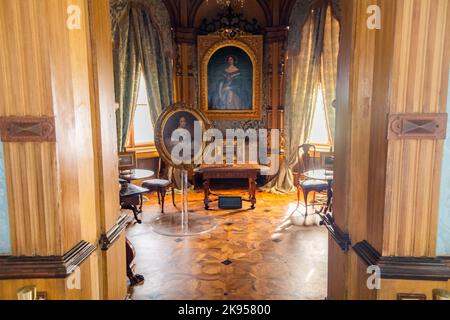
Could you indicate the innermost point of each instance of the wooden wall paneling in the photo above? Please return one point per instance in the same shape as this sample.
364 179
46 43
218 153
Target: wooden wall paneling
185 72
112 262
353 143
55 288
25 63
361 73
30 168
420 56
31 172
83 130
86 146
53 186
379 109
337 260
62 47
357 285
392 288
395 183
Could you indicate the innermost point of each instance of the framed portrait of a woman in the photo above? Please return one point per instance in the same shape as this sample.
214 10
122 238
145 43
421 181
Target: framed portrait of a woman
230 76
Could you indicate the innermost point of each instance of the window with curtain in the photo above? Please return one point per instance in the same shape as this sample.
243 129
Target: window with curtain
142 132
320 134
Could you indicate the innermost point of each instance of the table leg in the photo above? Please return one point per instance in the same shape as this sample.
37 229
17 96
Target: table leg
131 207
252 190
329 198
141 203
206 191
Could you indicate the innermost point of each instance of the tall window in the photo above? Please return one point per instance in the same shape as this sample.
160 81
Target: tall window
319 131
142 133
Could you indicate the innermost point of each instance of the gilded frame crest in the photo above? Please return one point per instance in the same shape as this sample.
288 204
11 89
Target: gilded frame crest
252 45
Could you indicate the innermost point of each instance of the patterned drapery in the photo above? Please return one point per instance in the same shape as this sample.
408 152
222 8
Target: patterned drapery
126 77
329 68
308 39
156 65
140 48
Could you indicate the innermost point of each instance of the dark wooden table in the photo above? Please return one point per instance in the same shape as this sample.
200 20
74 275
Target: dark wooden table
131 199
236 171
137 174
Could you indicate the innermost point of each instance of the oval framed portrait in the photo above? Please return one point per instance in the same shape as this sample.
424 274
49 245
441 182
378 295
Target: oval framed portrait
179 135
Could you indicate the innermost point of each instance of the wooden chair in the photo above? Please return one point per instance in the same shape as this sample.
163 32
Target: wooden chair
160 185
307 163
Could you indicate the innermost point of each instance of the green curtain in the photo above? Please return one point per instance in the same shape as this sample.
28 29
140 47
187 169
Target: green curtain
139 49
126 75
156 64
305 45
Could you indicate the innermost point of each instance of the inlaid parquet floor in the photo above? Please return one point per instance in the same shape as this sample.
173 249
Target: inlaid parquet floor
243 258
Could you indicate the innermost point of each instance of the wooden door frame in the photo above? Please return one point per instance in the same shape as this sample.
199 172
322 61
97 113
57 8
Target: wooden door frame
367 94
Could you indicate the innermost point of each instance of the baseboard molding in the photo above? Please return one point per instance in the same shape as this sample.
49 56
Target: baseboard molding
406 268
107 239
51 267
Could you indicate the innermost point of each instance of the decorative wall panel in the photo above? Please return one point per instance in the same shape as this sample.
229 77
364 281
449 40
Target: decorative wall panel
417 126
27 129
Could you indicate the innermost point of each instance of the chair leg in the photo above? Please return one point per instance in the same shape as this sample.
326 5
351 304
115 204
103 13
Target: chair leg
159 197
173 197
163 195
305 195
314 202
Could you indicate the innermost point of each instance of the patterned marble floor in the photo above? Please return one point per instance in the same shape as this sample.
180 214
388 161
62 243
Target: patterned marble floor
243 258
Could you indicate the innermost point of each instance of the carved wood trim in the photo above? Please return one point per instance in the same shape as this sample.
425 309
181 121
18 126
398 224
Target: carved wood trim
27 129
408 268
54 267
229 19
107 239
417 126
185 35
276 34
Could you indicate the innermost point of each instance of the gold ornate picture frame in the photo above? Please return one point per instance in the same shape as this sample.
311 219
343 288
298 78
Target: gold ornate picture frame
236 94
167 123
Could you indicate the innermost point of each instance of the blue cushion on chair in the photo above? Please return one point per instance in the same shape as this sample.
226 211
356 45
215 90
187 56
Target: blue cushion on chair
156 183
314 185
